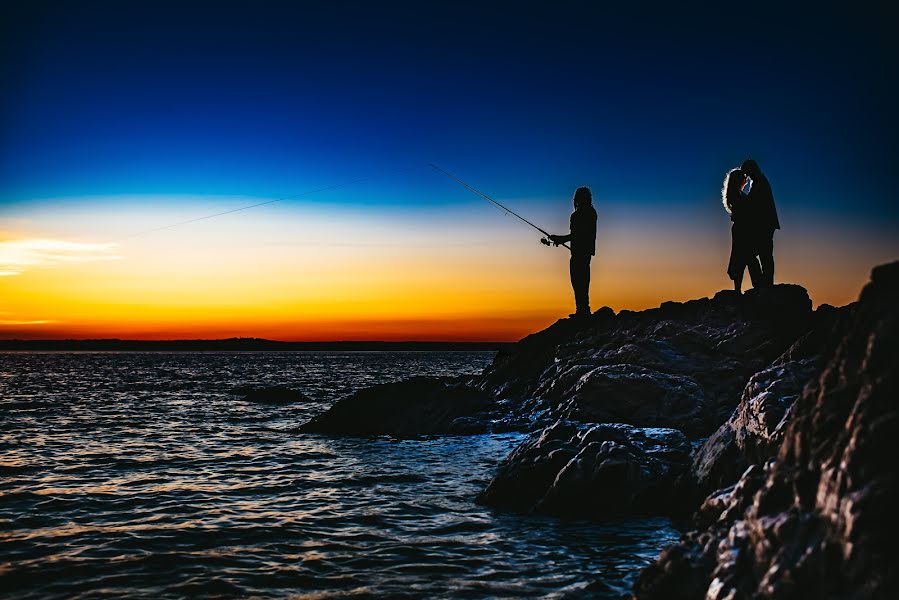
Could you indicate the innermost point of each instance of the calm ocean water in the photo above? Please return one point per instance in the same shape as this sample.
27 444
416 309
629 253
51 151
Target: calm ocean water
144 475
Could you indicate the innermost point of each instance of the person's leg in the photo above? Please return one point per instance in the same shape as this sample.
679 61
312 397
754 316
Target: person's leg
766 257
755 272
737 262
579 269
584 304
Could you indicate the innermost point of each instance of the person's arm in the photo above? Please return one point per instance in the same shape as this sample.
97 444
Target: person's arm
561 239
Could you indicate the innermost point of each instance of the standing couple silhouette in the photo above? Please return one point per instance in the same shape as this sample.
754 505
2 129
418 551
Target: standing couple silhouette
754 219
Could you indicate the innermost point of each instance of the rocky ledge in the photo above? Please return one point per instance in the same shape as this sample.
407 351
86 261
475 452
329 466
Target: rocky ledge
681 365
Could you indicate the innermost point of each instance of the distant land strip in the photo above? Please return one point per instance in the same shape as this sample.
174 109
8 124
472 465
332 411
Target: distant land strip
241 344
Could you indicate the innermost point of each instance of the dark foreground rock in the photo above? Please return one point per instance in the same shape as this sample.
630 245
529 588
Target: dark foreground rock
819 519
755 430
271 395
591 471
417 406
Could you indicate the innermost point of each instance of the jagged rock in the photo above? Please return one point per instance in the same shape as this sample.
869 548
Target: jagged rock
513 369
754 431
681 365
417 406
820 520
271 395
594 471
626 393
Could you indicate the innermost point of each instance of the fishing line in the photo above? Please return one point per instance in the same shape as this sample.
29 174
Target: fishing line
335 186
249 206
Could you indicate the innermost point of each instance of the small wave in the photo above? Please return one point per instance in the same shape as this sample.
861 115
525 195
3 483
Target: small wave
367 480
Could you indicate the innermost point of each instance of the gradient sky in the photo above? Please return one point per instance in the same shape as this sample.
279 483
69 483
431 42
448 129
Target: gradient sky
121 117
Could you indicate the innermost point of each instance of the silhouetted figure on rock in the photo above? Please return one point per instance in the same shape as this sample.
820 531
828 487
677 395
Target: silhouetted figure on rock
743 233
763 219
583 247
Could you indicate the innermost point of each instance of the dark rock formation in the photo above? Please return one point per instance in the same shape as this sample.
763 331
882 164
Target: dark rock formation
591 471
271 395
417 406
680 365
754 431
630 393
819 519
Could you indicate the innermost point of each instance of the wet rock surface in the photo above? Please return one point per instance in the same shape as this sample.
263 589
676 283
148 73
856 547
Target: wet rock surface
755 430
590 471
410 408
818 519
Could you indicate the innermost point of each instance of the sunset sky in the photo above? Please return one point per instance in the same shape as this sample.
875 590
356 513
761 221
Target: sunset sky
120 118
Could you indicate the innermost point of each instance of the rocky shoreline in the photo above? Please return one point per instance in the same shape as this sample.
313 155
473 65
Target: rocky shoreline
764 423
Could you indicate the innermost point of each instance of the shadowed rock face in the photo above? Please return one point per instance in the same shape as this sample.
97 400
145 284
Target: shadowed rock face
680 365
590 471
631 393
819 519
417 406
755 430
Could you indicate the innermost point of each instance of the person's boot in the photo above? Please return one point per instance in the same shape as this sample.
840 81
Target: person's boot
581 313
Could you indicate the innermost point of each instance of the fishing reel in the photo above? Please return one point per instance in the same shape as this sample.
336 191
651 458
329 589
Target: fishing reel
548 242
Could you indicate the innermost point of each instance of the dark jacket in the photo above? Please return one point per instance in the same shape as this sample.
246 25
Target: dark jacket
583 231
763 213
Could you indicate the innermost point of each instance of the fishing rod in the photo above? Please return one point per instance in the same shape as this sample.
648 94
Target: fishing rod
545 241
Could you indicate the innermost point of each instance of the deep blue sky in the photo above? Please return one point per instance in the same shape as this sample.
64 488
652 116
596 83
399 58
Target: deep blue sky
266 99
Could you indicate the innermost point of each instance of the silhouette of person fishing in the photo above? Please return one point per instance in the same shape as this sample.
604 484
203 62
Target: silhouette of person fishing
583 247
763 219
742 233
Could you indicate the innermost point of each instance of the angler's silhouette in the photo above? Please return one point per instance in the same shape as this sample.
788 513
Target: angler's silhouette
743 240
583 247
763 219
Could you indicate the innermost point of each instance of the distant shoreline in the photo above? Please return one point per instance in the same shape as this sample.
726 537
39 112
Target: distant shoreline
242 344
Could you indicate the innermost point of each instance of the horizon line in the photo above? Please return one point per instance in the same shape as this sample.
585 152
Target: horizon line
245 341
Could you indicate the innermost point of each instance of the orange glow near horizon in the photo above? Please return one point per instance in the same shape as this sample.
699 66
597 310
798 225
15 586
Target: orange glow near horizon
316 275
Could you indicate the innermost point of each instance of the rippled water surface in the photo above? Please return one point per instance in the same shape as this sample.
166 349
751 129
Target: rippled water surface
145 475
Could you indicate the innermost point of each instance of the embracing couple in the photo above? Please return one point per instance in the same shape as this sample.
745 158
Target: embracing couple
754 219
